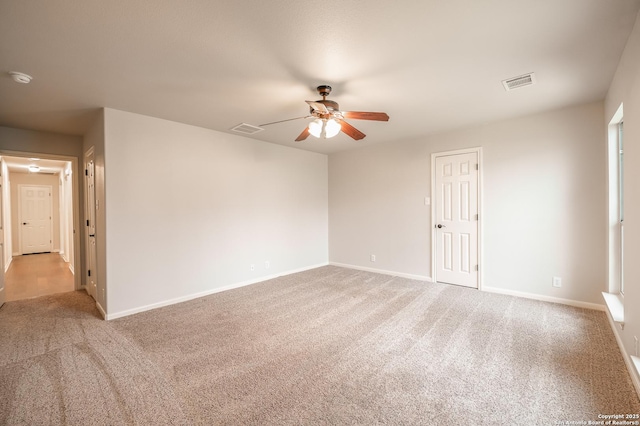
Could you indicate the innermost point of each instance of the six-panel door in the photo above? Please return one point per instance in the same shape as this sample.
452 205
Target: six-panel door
456 208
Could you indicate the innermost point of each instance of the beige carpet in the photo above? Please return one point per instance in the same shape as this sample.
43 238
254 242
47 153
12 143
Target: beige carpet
329 346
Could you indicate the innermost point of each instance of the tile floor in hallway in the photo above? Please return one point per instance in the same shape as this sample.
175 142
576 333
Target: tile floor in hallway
36 275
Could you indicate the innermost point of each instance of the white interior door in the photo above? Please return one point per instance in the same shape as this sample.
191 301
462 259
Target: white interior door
90 214
35 219
456 219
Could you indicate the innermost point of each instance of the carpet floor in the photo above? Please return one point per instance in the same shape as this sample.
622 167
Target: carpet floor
329 346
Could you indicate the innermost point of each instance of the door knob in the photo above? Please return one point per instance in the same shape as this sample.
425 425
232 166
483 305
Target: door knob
441 226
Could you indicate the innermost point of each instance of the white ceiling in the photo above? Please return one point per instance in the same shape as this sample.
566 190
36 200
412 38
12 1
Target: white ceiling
432 65
21 164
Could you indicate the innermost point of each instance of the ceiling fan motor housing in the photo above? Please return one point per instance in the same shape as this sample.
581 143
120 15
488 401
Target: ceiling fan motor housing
324 90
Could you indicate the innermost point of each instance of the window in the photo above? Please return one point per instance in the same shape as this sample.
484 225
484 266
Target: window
621 199
614 296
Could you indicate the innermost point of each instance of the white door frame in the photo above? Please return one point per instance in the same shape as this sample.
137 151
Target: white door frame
434 155
91 268
79 259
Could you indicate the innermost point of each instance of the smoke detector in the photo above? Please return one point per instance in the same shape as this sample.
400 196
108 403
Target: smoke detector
519 81
20 77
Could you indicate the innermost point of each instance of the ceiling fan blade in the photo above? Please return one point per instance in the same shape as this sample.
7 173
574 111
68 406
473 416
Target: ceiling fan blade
303 135
351 131
362 115
317 106
282 121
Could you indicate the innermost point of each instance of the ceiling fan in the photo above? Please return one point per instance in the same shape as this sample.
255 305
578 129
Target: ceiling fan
329 120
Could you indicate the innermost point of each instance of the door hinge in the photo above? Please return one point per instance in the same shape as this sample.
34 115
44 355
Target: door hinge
477 167
477 217
86 172
477 268
89 272
87 222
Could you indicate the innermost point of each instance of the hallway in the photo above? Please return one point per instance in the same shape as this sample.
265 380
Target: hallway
37 275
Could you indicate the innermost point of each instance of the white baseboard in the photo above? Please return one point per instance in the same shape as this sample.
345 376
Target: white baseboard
73 271
576 303
635 375
382 271
102 312
206 293
6 267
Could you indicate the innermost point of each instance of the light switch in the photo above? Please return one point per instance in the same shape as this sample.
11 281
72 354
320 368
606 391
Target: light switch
427 201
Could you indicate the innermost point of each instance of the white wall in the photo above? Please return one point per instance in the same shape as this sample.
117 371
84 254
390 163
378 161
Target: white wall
32 141
189 210
6 216
543 208
66 216
53 181
625 88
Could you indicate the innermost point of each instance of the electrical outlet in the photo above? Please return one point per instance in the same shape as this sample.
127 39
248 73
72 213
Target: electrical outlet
557 282
267 264
636 339
253 267
373 257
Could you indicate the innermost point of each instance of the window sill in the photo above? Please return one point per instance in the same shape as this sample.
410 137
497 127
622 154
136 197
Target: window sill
615 307
636 363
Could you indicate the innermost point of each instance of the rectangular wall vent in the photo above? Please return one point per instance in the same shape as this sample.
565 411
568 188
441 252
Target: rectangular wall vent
247 129
518 82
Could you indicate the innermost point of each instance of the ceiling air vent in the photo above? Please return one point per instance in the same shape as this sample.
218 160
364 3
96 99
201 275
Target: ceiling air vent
520 81
247 129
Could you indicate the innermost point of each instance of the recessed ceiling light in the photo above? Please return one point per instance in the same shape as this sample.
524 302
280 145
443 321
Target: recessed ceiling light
34 169
34 159
20 77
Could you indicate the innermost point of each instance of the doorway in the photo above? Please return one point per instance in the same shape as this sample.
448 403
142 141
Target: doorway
35 219
39 215
455 236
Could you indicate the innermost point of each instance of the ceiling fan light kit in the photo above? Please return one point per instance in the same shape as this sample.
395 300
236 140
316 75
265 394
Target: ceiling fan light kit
324 128
329 120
